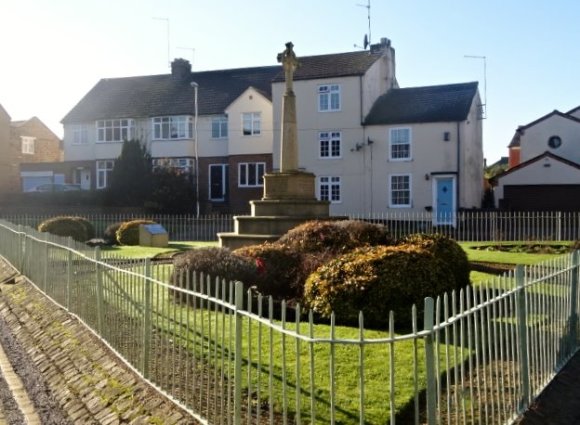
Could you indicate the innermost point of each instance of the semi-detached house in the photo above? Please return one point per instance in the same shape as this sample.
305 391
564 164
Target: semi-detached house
372 145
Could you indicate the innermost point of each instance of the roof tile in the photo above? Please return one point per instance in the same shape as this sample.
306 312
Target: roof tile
442 103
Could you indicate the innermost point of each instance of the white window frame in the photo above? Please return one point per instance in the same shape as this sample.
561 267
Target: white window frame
79 134
329 98
330 189
115 130
392 178
252 123
330 144
104 169
183 165
28 144
395 140
244 174
219 127
174 127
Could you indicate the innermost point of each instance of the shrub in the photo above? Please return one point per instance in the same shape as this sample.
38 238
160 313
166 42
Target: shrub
110 234
316 236
77 228
448 251
90 229
362 233
214 262
338 236
279 270
128 232
375 280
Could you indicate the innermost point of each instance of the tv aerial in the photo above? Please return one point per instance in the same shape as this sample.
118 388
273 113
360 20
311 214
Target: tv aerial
367 37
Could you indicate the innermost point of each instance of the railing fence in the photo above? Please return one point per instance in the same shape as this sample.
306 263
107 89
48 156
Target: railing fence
472 226
481 356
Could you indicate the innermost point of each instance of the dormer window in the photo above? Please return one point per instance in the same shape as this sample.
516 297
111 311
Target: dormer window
554 142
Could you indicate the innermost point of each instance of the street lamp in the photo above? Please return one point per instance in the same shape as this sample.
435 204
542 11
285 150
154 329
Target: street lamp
195 87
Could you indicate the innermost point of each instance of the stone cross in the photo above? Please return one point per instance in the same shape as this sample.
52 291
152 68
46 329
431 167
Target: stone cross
289 62
289 142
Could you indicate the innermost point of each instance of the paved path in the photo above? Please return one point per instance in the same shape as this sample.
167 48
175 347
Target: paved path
65 371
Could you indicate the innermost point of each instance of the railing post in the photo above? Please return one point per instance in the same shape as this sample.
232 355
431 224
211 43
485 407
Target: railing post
522 327
430 361
69 272
99 281
45 263
22 246
239 294
573 320
147 287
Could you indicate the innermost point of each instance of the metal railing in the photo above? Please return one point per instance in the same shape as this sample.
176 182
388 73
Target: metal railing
477 356
495 226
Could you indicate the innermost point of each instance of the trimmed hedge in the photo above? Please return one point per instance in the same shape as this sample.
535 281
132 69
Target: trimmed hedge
78 228
128 232
449 253
110 233
375 280
279 270
214 262
337 236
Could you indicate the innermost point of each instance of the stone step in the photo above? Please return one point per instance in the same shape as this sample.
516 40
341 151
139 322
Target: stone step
268 225
290 207
235 240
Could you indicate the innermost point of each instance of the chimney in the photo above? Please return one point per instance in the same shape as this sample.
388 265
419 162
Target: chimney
180 69
382 46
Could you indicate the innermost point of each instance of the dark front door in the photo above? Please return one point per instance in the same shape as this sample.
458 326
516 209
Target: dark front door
218 181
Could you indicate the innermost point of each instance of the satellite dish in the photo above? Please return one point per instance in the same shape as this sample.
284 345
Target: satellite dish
366 42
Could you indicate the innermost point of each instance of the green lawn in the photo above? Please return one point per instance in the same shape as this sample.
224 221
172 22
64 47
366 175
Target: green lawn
493 255
150 252
276 350
274 363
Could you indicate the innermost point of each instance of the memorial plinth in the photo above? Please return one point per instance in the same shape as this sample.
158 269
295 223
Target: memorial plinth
290 194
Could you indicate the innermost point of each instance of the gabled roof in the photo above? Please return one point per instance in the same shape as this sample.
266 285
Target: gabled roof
161 95
546 154
332 65
444 103
4 111
516 140
571 111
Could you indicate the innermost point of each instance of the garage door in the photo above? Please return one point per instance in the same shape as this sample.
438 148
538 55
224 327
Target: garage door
541 198
29 183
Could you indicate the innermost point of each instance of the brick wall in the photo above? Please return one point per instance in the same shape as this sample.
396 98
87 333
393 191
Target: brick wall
47 148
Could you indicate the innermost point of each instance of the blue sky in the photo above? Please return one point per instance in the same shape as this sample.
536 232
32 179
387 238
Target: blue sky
54 51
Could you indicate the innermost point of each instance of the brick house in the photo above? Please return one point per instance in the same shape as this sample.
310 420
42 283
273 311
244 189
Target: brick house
23 143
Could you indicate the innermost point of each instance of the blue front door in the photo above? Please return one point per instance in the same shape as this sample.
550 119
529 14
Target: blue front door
445 194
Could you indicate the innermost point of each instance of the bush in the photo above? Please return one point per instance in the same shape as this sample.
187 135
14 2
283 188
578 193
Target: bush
338 236
315 236
279 270
448 251
110 234
214 262
362 233
77 228
375 280
128 232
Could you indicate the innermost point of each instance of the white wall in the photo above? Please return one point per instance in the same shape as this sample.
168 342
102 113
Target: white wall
534 140
538 173
239 144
